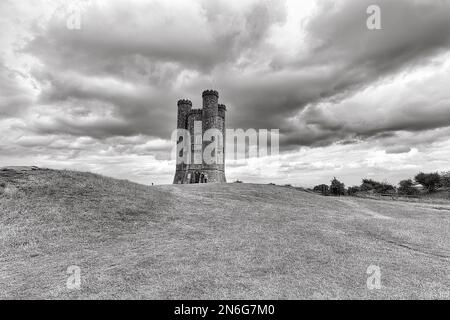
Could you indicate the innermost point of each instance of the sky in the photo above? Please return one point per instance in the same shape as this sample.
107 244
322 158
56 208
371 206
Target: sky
350 102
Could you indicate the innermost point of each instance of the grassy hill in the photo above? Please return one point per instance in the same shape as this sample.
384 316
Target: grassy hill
215 241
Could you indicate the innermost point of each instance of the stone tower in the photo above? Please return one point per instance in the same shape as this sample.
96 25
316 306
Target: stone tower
206 126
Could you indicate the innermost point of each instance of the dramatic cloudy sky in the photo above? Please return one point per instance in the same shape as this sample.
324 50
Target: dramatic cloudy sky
349 102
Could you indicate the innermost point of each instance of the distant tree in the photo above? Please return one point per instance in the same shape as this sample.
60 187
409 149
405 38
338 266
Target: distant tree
407 187
353 190
445 179
385 187
337 188
368 184
429 180
375 186
322 188
238 181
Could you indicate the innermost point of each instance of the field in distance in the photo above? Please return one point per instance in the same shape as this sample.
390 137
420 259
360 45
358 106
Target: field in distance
212 241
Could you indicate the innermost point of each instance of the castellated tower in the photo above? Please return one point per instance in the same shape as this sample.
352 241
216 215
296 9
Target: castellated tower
207 129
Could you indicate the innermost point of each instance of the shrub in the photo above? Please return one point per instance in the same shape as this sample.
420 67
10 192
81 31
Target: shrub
375 186
429 180
337 188
445 179
385 187
407 187
353 190
322 188
368 184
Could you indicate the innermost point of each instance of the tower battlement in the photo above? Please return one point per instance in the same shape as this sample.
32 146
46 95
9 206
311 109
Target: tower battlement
210 116
184 102
210 93
222 109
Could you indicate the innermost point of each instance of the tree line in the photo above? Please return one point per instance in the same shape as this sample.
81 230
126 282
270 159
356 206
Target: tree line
429 181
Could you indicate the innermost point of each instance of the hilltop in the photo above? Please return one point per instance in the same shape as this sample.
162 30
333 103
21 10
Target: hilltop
214 241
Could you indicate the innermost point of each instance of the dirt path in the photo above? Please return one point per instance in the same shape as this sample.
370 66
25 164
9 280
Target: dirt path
361 209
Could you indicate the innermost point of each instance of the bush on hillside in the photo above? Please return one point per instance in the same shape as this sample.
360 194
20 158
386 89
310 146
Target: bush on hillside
377 187
445 179
353 190
407 188
322 188
429 180
337 188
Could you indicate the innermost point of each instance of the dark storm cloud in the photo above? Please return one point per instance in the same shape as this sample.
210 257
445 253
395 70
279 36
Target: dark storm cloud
146 47
321 124
410 31
121 74
103 107
346 57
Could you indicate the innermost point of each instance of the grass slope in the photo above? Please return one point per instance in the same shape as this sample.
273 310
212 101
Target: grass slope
226 241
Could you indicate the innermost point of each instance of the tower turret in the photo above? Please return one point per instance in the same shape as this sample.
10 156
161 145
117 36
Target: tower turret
214 167
222 109
210 103
184 107
210 118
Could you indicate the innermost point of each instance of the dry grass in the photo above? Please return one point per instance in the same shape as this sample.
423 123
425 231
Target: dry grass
212 241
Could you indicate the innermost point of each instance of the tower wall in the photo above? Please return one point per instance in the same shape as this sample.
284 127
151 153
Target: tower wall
222 128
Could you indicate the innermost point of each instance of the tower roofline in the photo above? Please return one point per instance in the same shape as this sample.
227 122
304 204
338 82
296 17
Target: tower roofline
184 101
210 93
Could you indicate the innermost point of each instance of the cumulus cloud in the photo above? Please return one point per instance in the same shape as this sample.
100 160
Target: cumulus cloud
398 150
